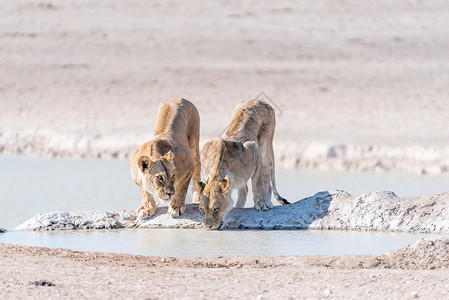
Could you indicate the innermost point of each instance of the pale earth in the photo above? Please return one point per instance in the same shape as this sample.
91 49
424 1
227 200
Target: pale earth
420 271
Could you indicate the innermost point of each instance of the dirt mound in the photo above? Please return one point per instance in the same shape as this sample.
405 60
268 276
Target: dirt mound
424 254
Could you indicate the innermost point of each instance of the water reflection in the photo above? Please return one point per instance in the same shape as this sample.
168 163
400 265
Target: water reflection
195 242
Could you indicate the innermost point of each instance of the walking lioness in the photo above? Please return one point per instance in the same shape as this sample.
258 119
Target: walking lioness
163 167
245 151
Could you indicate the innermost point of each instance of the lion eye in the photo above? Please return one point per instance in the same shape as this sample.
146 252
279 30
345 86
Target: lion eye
159 177
173 177
215 209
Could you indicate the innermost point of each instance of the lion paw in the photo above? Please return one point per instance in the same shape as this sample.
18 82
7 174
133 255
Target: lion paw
145 213
196 198
176 211
262 205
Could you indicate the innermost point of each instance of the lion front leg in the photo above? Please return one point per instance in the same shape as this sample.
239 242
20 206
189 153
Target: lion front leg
242 194
148 207
196 199
178 204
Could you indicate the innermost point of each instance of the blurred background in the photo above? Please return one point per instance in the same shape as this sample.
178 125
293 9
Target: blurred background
361 85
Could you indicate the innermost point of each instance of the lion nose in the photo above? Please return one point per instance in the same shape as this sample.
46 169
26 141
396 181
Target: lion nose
170 193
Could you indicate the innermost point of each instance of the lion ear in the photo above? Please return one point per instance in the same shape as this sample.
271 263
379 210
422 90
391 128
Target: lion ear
169 156
225 183
200 186
145 164
250 145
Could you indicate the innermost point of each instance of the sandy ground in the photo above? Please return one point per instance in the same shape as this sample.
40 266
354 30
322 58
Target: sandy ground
420 271
356 85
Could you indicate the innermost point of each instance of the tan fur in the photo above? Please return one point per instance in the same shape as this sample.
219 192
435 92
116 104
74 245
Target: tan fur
245 151
165 165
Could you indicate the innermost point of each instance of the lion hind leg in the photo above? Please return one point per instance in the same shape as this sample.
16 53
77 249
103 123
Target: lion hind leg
194 145
259 197
196 176
265 171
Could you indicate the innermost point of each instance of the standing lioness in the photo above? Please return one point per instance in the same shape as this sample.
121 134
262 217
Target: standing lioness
245 151
163 167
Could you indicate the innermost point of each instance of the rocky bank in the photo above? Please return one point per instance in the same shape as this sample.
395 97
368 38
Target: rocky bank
325 210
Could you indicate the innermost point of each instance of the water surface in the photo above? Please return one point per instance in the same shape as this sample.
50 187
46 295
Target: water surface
31 185
197 242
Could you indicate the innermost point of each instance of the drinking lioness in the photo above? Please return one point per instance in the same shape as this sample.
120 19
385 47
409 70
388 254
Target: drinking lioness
163 166
245 151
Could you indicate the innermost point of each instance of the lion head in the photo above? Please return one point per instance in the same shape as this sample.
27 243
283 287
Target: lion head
158 175
215 201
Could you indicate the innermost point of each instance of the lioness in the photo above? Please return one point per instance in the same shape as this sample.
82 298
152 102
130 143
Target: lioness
163 167
245 151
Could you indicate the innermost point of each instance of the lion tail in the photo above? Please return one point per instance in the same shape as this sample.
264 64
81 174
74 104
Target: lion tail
278 197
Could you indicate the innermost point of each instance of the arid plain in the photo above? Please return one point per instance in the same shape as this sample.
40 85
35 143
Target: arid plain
357 85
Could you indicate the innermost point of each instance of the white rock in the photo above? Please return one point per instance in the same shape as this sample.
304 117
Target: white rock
327 293
324 210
